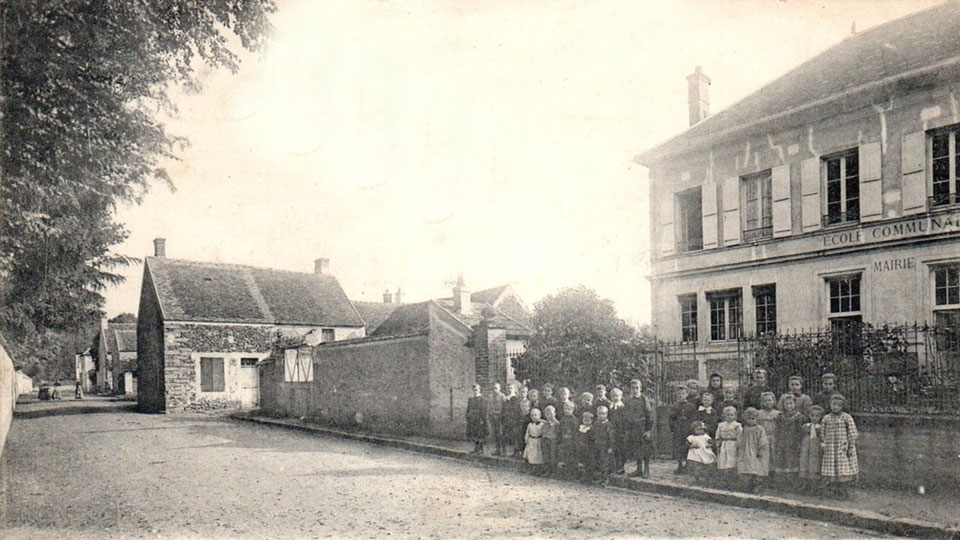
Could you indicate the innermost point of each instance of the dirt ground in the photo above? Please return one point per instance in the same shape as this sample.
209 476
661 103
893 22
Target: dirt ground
99 470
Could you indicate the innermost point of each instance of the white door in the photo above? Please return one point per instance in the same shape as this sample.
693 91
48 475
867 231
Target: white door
249 383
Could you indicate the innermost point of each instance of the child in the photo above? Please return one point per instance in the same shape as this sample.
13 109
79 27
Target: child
728 432
603 442
520 424
534 396
563 397
700 456
729 398
828 387
753 452
810 452
511 417
495 418
546 397
477 419
567 453
707 413
586 462
752 396
600 397
619 429
680 417
839 464
715 385
795 386
789 433
534 449
585 405
767 418
551 435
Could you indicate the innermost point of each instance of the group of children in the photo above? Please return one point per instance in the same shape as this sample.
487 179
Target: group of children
795 442
724 440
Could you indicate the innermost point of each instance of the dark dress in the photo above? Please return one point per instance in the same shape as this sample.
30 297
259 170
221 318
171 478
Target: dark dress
586 454
512 423
619 423
789 435
711 418
477 418
639 417
567 451
597 403
751 398
681 416
603 436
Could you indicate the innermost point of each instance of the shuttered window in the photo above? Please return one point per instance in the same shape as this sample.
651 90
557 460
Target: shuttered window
757 207
945 160
211 374
843 188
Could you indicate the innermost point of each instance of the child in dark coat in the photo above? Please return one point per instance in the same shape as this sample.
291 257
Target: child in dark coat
566 445
586 453
604 440
477 419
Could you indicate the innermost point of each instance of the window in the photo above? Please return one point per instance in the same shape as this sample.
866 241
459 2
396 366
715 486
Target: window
327 334
690 236
757 207
765 299
726 315
211 374
945 159
845 318
843 188
297 367
688 317
844 294
946 283
248 362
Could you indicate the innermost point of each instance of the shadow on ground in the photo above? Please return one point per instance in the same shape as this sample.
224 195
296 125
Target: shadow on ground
74 409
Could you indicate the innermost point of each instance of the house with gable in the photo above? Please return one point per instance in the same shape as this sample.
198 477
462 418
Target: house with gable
412 374
203 327
114 356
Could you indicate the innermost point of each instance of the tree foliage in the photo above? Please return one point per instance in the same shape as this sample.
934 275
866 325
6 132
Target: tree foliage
579 341
84 85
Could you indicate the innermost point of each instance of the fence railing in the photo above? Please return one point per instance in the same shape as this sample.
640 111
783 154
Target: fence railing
905 368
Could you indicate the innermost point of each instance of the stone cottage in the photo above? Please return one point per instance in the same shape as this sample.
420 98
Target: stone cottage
203 327
412 374
114 351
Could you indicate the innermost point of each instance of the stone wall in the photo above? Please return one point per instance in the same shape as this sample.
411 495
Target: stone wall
151 392
903 451
452 375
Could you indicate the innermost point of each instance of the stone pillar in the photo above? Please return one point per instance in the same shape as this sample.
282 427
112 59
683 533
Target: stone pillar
490 346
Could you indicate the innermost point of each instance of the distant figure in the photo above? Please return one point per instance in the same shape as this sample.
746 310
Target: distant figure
78 391
56 390
477 419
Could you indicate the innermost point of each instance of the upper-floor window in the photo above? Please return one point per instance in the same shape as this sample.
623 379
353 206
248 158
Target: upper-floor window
842 173
757 207
726 315
765 300
945 159
690 233
327 335
688 317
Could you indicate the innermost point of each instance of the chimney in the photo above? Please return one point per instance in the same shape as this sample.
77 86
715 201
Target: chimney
461 297
698 96
321 266
159 247
398 296
387 297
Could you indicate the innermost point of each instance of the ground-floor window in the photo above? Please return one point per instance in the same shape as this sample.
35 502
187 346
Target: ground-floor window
846 319
765 300
688 317
211 374
946 288
726 314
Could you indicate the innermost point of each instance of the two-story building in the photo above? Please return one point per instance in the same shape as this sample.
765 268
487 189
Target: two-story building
829 197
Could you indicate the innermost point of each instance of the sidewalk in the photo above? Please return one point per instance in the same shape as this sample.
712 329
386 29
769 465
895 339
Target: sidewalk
888 511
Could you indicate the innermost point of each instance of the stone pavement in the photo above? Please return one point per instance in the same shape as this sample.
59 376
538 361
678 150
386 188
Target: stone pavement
930 515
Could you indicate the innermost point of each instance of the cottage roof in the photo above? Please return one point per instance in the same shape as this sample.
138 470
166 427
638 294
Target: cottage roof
898 48
513 326
406 319
374 313
218 292
121 337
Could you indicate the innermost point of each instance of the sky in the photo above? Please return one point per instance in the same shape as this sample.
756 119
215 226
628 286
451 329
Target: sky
411 141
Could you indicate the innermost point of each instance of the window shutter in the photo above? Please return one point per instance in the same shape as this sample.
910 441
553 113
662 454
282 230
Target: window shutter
871 193
810 194
709 206
781 200
206 376
731 211
914 156
289 364
217 367
666 224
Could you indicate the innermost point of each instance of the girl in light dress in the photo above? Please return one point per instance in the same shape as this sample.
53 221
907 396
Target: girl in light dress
533 451
700 457
728 431
753 452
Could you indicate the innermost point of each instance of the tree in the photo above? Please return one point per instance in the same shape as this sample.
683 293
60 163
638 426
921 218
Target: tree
126 318
84 84
579 341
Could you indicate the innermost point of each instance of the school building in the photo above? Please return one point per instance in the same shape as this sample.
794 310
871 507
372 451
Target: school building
829 197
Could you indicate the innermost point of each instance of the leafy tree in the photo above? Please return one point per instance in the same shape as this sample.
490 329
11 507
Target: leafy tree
84 85
126 318
579 341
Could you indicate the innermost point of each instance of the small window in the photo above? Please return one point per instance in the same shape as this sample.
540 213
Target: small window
843 188
726 315
211 375
765 300
688 317
326 335
690 237
757 207
945 160
248 362
297 367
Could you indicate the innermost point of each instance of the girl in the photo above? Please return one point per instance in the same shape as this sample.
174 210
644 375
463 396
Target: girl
839 465
728 432
707 413
729 398
700 456
551 435
619 430
810 452
567 453
789 432
586 404
767 418
795 385
534 449
681 414
753 452
586 456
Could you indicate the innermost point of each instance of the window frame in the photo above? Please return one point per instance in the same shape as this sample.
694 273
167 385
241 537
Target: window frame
730 328
953 167
763 229
223 375
681 219
843 180
762 320
689 333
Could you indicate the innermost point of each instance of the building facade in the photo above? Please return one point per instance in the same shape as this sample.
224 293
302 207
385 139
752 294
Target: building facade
829 198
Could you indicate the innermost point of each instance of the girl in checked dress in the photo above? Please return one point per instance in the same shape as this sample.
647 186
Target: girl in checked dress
728 432
839 466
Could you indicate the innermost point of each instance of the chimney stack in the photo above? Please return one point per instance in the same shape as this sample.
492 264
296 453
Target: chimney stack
698 96
159 247
387 297
321 266
398 296
461 297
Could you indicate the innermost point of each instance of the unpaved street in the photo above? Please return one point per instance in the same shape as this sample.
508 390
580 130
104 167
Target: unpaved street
119 474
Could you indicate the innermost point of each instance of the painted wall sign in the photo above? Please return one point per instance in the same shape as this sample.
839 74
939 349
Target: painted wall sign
921 226
890 265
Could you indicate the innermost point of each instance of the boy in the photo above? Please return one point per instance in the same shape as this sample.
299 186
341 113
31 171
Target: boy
547 399
495 417
600 399
729 398
604 440
586 458
567 452
477 419
639 419
511 417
